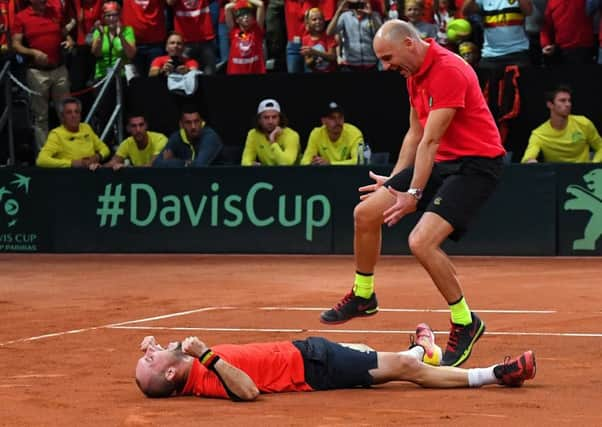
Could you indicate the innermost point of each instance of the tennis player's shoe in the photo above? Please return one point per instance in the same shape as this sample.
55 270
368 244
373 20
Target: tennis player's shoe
425 338
514 372
461 340
349 307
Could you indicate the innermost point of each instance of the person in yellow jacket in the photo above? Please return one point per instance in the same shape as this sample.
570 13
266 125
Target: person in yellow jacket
271 142
335 142
72 144
564 138
142 146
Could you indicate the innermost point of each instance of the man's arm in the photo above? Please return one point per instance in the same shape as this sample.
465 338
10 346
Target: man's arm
311 150
436 125
532 151
39 57
595 142
210 147
50 149
288 155
235 380
407 152
334 22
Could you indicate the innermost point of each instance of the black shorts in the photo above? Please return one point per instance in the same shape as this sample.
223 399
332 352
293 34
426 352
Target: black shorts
329 365
456 190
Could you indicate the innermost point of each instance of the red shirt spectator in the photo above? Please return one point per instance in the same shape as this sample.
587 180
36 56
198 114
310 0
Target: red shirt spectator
85 13
193 20
160 61
566 25
147 18
294 14
246 51
42 32
323 44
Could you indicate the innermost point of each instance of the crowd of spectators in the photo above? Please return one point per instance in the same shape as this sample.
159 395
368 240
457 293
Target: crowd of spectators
61 47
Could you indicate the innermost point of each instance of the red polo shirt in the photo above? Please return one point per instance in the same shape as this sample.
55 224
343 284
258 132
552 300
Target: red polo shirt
192 19
274 367
447 81
42 32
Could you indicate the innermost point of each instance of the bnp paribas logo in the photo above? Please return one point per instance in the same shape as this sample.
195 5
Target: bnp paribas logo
11 194
587 199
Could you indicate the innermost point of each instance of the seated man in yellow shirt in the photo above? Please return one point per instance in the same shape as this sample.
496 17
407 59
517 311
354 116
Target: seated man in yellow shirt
142 146
335 142
565 138
271 142
73 144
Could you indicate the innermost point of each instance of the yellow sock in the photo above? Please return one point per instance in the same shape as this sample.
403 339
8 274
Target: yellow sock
460 313
363 285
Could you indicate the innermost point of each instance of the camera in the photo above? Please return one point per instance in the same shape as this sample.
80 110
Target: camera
175 61
356 5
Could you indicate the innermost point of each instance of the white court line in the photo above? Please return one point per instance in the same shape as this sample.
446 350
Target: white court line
199 310
412 310
351 331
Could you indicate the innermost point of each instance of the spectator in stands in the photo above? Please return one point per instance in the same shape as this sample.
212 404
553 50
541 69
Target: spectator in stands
294 12
38 35
175 61
192 19
506 41
73 144
5 24
245 18
356 24
275 26
444 11
194 145
335 142
413 12
593 7
271 142
85 16
141 148
147 18
533 24
567 35
111 40
318 48
565 137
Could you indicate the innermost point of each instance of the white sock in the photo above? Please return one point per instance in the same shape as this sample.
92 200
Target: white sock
478 377
416 352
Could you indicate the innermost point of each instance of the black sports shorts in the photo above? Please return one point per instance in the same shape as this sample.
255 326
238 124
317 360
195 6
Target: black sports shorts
329 365
456 189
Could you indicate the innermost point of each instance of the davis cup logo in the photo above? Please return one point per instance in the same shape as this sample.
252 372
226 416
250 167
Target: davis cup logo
10 194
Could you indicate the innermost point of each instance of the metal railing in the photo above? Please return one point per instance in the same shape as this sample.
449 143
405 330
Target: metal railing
116 119
7 114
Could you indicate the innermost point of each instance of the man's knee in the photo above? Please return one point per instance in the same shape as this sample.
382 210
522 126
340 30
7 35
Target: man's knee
419 244
366 215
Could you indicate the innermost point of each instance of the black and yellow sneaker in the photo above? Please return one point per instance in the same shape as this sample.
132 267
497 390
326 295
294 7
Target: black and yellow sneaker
349 307
461 340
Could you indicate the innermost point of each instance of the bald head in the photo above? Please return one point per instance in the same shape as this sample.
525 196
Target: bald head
396 30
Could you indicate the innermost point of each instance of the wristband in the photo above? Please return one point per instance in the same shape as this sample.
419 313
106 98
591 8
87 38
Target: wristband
208 359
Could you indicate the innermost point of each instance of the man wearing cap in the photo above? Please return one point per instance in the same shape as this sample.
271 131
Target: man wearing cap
335 142
271 142
245 19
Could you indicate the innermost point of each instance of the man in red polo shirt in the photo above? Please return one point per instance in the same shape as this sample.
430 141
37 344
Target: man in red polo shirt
38 35
449 164
241 372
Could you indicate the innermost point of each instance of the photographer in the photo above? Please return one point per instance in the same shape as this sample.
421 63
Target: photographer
174 61
355 23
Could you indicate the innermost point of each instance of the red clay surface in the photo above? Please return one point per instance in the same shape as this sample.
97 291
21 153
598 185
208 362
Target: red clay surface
85 377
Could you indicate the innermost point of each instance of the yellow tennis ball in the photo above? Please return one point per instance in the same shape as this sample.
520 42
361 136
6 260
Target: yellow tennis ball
458 29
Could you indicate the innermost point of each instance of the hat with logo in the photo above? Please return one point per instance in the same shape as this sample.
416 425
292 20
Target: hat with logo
332 107
268 104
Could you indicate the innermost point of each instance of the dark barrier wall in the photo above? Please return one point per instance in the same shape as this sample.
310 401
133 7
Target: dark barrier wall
376 102
537 210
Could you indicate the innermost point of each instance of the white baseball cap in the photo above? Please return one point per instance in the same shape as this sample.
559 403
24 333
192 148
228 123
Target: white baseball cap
268 104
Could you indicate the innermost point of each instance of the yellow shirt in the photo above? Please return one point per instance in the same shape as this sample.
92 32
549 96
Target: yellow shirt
343 151
283 152
62 146
129 150
569 145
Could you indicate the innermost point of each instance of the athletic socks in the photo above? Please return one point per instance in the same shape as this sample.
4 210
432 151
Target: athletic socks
460 313
417 352
364 285
478 377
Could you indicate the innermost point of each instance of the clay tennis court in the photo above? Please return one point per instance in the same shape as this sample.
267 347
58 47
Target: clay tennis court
71 325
